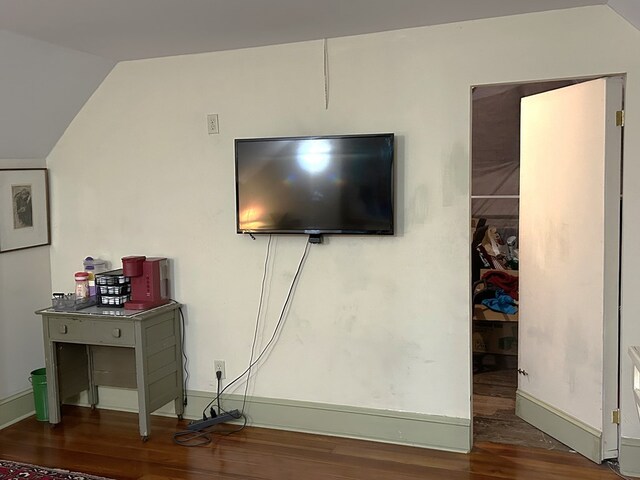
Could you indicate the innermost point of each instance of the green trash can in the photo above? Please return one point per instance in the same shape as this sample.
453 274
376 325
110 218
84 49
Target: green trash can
38 381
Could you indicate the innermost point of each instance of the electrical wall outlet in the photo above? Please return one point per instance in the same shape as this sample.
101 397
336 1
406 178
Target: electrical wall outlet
218 366
212 124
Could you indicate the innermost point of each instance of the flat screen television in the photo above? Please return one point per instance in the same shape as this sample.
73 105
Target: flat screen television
315 185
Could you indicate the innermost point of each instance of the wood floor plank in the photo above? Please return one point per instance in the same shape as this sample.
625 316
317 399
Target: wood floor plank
107 443
484 405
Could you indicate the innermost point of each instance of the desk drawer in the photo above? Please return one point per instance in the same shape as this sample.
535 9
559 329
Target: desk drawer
93 332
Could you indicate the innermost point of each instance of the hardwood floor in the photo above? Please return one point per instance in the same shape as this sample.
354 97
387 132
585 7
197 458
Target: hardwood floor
107 443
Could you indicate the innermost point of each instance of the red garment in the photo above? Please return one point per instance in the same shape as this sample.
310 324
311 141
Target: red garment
503 280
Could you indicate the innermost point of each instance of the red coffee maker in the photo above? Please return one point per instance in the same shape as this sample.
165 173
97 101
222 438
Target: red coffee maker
149 281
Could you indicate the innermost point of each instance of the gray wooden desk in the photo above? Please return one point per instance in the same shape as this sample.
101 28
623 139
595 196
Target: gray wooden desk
116 348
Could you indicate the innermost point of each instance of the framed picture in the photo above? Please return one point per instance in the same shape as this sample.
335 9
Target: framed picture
24 208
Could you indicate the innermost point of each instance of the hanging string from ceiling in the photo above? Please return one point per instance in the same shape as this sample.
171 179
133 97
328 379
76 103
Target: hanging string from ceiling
326 76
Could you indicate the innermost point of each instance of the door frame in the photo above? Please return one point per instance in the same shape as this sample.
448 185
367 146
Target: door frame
611 381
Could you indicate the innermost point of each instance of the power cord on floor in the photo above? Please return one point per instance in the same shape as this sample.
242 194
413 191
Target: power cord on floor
201 438
187 438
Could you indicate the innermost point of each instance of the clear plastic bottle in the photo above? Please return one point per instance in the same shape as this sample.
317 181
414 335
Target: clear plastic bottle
93 266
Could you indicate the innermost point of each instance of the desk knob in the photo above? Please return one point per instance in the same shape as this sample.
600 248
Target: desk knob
116 332
62 329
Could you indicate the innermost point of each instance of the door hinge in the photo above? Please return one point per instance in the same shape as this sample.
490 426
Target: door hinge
620 118
615 416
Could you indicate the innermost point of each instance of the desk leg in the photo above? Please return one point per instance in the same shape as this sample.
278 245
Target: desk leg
53 397
142 384
92 393
179 401
179 405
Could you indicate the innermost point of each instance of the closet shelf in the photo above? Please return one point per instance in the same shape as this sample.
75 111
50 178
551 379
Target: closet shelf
482 313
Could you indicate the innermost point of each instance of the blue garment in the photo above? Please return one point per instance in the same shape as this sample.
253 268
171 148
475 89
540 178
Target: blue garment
501 303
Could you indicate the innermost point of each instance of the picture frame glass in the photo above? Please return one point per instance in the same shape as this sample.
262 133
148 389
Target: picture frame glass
24 209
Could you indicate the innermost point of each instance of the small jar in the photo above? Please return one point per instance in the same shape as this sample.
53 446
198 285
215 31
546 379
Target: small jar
82 284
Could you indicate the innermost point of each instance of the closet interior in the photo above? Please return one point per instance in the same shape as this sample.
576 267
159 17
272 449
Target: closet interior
495 262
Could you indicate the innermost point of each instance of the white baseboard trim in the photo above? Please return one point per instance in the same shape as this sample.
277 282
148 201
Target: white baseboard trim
629 458
15 408
583 438
420 430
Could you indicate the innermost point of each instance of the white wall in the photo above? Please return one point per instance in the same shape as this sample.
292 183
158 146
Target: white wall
25 286
376 322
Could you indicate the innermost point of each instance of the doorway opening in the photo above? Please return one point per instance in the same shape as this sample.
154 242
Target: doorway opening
495 190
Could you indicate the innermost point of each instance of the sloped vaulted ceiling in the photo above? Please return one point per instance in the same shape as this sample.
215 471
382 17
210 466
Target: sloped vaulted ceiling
42 88
54 54
629 9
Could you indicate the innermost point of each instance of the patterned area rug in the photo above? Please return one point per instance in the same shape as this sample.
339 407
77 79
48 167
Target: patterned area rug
18 471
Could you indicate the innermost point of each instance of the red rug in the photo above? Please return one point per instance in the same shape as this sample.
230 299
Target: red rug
18 471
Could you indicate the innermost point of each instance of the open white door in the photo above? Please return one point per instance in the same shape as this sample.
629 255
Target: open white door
570 167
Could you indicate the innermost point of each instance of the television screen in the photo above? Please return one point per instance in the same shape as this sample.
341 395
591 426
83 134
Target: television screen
315 185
